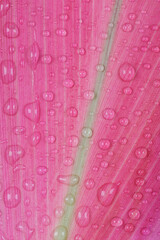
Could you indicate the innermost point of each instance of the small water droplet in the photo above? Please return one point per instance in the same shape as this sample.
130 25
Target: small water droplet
69 199
71 180
89 183
46 221
7 71
4 7
87 132
28 184
100 68
127 72
108 113
116 222
104 144
141 152
73 141
60 233
134 214
83 216
106 193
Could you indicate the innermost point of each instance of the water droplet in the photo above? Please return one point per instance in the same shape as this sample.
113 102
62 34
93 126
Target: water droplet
127 90
72 112
12 197
68 83
87 132
89 183
81 51
61 32
137 196
134 214
139 181
156 83
100 68
89 95
106 193
2 234
32 111
123 121
60 233
69 199
116 222
73 141
42 170
7 71
71 180
76 237
145 231
48 96
28 184
24 228
141 152
19 130
46 220
127 27
51 139
103 164
83 216
129 227
82 73
108 113
34 139
4 7
10 30
10 108
13 153
58 212
32 55
46 59
127 72
68 161
104 144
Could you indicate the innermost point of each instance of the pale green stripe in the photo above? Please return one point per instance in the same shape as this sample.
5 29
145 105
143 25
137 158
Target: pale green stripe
82 152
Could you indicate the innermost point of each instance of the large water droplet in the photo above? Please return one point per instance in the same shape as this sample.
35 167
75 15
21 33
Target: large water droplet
13 153
83 216
12 197
71 180
10 108
32 111
106 193
4 7
127 72
32 55
60 233
24 228
7 71
10 30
